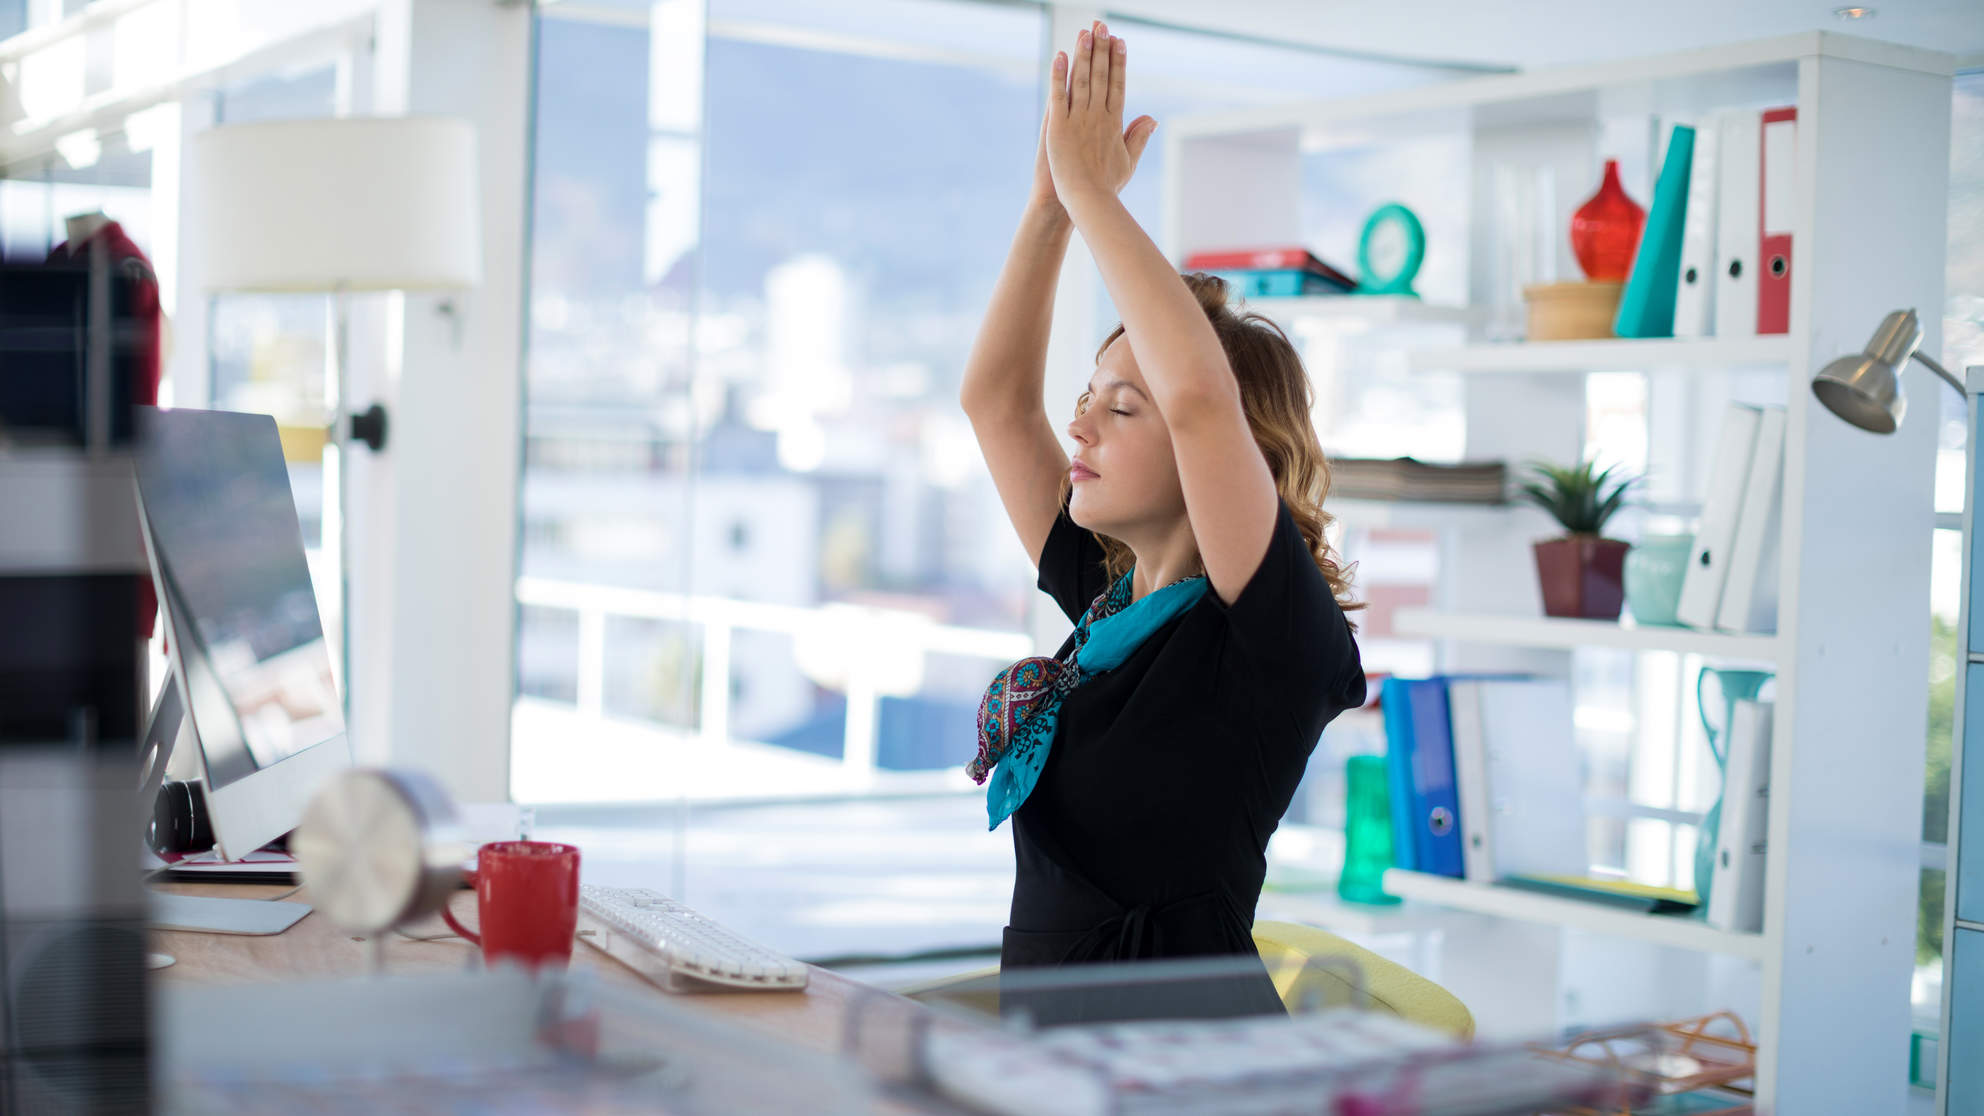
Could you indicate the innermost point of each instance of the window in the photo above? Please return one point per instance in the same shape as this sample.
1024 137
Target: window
772 529
1963 345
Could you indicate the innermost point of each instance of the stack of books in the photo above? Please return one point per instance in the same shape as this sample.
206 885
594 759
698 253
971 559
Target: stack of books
1272 272
1405 478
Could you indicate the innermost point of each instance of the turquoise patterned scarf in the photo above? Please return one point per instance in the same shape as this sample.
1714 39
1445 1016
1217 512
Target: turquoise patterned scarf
1022 707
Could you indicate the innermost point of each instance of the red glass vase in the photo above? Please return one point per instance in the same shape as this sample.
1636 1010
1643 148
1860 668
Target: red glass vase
1605 231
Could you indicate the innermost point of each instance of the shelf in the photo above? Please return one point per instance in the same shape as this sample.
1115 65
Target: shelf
1551 632
1429 514
1369 309
1609 355
1508 902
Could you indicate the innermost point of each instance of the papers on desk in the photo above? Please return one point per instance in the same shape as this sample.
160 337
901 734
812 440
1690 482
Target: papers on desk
1334 1061
262 866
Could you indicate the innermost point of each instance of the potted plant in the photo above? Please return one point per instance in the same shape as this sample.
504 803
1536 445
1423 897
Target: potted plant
1582 575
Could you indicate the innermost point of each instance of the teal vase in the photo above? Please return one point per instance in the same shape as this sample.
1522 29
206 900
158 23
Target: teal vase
1736 685
1367 832
1655 568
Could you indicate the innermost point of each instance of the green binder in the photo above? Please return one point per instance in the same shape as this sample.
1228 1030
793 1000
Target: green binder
1646 309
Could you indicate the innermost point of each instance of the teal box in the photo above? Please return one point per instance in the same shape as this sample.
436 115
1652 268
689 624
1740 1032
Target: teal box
1278 283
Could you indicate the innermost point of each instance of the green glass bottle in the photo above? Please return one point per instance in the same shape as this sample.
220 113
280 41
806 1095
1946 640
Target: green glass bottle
1367 832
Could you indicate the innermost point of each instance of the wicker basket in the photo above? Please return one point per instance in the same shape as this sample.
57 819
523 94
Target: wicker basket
1571 311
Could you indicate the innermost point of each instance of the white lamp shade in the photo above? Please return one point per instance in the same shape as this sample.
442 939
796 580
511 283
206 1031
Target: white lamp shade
373 203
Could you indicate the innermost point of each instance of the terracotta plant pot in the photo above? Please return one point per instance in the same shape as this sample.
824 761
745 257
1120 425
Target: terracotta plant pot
1582 576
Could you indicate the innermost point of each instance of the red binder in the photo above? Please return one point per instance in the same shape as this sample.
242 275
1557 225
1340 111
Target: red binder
1777 171
1247 258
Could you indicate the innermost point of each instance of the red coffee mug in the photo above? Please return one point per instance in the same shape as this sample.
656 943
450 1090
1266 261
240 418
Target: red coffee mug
527 900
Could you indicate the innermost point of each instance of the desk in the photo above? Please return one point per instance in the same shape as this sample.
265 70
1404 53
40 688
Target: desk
316 949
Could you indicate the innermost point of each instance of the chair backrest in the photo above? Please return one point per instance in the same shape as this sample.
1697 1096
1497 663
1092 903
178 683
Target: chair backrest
1286 948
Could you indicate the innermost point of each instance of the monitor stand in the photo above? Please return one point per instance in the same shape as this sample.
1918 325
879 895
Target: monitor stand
200 914
155 748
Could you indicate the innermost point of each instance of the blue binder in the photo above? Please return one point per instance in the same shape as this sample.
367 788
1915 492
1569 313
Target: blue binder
1419 769
1646 308
1394 697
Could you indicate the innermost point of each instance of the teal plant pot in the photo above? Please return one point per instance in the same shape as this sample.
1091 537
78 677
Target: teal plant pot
1655 568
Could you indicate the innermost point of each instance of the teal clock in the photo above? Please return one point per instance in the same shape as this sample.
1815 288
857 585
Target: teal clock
1390 251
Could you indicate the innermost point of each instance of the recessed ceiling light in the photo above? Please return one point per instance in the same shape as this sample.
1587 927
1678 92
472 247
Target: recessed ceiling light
1854 13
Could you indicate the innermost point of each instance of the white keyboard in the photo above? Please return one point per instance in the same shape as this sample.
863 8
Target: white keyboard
672 946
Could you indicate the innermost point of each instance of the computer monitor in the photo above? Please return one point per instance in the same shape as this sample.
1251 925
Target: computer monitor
244 642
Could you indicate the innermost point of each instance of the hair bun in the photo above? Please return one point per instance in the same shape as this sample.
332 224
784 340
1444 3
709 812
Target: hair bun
1214 294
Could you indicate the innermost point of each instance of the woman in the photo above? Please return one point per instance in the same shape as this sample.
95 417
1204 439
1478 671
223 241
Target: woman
1147 763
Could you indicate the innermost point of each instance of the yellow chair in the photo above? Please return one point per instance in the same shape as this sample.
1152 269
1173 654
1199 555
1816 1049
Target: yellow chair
1286 947
1389 986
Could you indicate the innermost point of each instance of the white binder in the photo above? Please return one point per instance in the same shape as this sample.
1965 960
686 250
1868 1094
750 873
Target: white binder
1749 597
1471 779
1694 292
1736 887
1520 778
1740 152
1709 558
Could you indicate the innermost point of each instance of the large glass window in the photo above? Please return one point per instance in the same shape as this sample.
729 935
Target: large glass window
759 543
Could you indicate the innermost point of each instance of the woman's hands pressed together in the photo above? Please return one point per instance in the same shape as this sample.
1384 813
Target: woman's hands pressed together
1089 151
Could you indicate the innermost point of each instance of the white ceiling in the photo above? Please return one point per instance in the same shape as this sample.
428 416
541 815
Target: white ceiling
1530 33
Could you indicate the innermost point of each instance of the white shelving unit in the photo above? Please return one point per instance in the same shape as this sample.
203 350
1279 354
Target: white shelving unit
1828 976
1420 514
1616 355
1530 906
1552 632
1366 309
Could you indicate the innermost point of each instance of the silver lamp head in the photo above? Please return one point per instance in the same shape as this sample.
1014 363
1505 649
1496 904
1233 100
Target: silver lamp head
1865 389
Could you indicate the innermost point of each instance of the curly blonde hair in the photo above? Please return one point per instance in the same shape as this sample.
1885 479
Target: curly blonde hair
1276 395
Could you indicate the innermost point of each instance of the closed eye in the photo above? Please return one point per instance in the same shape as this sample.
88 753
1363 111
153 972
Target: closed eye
1118 411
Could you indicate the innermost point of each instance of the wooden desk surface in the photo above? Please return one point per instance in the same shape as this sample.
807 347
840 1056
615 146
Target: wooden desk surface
315 949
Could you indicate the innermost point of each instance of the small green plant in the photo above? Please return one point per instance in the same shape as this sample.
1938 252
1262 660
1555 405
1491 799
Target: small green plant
1581 497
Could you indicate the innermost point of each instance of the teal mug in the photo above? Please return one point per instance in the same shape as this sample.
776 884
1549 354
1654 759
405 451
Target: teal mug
1655 568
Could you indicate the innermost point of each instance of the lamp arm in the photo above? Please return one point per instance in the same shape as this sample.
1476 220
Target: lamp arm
1941 371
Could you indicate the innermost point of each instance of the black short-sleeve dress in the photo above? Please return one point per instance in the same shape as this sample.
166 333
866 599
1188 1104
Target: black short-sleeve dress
1146 834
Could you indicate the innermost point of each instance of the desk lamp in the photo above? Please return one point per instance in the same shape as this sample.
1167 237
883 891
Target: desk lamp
1865 389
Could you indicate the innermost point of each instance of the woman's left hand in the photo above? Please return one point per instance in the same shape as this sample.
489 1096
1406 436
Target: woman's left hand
1088 150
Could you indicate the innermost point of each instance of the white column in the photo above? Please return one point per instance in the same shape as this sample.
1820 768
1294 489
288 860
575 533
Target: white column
433 621
1852 712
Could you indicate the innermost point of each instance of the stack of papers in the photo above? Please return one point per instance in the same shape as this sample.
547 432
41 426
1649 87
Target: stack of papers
1331 1061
